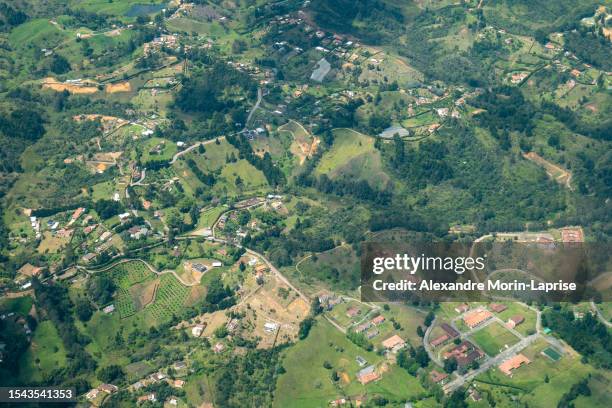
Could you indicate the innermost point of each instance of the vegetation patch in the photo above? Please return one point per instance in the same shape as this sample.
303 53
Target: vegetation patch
494 338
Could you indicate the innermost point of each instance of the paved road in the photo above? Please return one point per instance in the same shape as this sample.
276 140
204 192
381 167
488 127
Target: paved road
259 98
426 343
142 177
509 352
190 148
273 269
600 315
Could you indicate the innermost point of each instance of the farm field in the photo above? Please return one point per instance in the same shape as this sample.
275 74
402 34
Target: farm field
141 293
169 300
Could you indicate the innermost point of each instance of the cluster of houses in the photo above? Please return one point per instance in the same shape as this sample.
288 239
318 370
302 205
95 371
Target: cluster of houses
448 335
465 354
328 301
163 41
53 225
101 391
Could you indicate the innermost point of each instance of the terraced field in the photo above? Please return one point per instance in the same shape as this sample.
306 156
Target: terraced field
129 273
169 299
126 275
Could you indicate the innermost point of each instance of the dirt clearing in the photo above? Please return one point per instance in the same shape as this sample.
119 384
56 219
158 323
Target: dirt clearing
83 88
557 173
144 293
118 87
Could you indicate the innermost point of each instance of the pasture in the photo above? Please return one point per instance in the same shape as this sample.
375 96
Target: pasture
310 385
45 354
353 157
530 378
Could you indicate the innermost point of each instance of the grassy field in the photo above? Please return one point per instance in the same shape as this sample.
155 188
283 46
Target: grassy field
530 378
252 178
338 313
209 216
339 266
493 338
188 25
310 385
45 354
20 305
103 190
168 149
528 326
118 7
353 156
38 32
408 318
215 160
601 393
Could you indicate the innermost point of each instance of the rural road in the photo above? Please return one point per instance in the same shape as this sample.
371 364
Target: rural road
142 177
151 268
509 352
259 98
190 148
427 345
600 315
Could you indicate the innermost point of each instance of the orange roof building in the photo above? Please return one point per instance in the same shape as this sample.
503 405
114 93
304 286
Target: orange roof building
378 320
572 235
497 307
513 363
77 213
477 317
462 308
369 377
394 342
437 377
515 321
439 340
30 270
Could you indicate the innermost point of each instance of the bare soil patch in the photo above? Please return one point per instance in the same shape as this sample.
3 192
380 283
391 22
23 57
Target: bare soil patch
557 173
83 88
118 87
144 293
